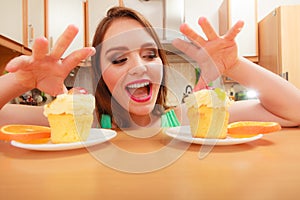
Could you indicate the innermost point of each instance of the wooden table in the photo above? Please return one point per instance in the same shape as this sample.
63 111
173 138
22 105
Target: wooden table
268 168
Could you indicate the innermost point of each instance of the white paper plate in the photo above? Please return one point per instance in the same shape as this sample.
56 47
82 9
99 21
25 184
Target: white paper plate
183 133
96 136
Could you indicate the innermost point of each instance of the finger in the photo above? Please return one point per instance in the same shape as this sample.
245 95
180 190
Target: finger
63 42
232 33
75 57
192 35
16 63
40 48
186 47
207 29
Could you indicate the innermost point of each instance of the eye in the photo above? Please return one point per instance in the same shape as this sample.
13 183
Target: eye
117 58
150 54
118 61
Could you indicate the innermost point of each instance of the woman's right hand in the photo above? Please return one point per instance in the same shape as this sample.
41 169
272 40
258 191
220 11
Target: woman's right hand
47 70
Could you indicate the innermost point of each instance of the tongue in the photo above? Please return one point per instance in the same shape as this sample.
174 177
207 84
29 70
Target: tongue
139 93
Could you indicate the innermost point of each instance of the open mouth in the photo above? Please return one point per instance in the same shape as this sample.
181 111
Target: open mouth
140 91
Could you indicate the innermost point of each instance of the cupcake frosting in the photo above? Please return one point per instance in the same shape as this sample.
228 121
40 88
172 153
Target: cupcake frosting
75 104
216 98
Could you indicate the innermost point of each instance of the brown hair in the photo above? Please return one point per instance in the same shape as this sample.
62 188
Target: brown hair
105 103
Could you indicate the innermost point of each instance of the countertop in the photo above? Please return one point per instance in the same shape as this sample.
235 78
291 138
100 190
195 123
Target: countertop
268 168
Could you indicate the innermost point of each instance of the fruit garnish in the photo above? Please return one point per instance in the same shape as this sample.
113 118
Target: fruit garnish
221 94
22 132
252 127
77 90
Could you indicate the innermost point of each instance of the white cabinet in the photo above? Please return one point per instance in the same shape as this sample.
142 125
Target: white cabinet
22 21
11 20
230 12
195 9
35 21
152 10
61 14
96 11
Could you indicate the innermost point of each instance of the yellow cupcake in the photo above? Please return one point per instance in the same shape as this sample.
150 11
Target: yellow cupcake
208 113
70 117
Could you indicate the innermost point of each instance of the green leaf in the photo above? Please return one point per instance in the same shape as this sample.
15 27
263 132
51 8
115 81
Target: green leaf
221 94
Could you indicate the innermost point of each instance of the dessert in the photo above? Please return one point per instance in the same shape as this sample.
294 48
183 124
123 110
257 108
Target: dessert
70 116
208 113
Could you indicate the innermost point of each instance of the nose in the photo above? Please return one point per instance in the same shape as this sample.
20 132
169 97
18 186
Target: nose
138 65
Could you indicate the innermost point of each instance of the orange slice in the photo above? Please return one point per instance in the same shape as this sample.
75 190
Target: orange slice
22 132
252 127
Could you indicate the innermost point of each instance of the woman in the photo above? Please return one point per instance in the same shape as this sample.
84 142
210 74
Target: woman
127 63
131 73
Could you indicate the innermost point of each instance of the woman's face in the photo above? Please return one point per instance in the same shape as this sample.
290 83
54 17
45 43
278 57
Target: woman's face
131 66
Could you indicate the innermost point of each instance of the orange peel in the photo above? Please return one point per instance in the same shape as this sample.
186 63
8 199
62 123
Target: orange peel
252 127
22 132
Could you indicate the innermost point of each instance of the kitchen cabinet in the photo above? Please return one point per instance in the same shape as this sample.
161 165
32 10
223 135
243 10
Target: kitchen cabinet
62 13
11 20
11 31
10 49
96 11
152 10
279 42
22 20
230 12
192 10
35 24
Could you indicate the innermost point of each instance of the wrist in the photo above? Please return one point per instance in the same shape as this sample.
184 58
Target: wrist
233 70
12 88
16 85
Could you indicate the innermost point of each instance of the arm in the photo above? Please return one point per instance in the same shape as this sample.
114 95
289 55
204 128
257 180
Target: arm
10 88
278 99
22 114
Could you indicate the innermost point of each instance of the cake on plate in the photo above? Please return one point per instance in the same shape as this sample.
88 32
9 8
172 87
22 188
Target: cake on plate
208 113
70 116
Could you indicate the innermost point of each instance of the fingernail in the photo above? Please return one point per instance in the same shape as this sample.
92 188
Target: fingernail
92 51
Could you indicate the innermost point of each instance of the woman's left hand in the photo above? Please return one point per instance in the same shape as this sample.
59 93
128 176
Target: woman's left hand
214 55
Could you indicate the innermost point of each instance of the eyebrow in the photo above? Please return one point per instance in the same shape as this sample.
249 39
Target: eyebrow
149 44
122 48
116 49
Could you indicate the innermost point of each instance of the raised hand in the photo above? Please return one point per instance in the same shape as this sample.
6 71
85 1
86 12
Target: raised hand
214 55
46 70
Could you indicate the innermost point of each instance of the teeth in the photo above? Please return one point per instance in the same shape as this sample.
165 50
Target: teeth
138 85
